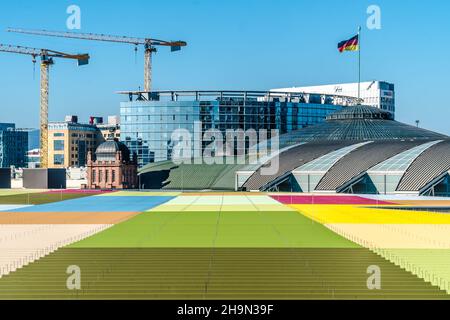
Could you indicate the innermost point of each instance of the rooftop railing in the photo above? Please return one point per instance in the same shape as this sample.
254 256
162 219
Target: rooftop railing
230 95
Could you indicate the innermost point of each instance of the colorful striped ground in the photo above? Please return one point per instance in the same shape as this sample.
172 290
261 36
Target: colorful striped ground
147 245
28 233
222 202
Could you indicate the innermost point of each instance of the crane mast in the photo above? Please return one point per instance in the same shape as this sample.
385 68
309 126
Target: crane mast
148 43
45 73
149 50
46 61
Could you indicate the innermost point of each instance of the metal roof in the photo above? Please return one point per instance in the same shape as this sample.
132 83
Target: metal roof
360 123
294 158
431 164
402 161
361 160
326 162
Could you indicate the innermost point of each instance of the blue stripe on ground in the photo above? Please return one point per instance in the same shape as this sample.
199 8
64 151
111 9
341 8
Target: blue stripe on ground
100 204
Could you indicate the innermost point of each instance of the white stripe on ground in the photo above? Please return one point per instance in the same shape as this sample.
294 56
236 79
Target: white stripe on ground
24 244
6 207
395 236
224 203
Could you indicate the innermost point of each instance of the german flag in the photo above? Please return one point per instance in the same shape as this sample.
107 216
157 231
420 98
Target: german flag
349 45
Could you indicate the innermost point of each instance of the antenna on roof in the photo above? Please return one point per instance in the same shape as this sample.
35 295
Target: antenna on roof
417 123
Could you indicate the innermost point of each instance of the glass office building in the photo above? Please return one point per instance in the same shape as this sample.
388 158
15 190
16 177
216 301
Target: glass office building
13 146
149 119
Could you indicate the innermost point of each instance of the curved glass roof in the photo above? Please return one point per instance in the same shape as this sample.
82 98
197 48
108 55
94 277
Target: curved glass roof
401 162
360 123
325 163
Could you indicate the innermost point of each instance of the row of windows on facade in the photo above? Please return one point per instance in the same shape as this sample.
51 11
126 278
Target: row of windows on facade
58 145
74 135
107 135
247 116
133 132
207 123
238 109
104 175
58 159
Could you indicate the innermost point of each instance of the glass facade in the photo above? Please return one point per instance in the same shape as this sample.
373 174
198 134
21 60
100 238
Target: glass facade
147 125
13 146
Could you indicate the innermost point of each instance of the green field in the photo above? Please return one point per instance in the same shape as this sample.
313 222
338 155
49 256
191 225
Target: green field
215 255
217 230
38 198
207 273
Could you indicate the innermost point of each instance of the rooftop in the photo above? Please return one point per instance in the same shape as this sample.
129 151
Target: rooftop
360 123
263 96
107 151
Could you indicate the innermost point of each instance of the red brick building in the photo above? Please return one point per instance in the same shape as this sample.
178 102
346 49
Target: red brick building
112 167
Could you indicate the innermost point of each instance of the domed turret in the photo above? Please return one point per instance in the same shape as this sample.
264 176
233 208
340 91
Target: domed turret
107 151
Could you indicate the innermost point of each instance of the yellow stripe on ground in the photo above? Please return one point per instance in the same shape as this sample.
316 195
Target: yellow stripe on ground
328 214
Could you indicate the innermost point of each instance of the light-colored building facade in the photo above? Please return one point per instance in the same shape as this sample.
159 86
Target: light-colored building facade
378 94
70 142
111 129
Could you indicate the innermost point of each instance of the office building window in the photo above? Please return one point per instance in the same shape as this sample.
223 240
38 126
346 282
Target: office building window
58 159
58 145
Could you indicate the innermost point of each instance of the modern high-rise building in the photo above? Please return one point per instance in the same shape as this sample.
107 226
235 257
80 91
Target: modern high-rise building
13 146
149 119
378 94
33 138
70 142
6 126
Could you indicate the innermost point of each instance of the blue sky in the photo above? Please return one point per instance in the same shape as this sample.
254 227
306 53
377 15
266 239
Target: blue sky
233 44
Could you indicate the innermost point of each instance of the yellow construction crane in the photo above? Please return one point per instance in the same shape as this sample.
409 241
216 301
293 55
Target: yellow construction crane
149 45
46 57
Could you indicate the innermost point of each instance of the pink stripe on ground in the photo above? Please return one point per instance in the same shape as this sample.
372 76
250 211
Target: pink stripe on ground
327 200
78 191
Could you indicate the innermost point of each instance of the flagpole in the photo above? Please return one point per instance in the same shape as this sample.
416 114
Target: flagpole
359 64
